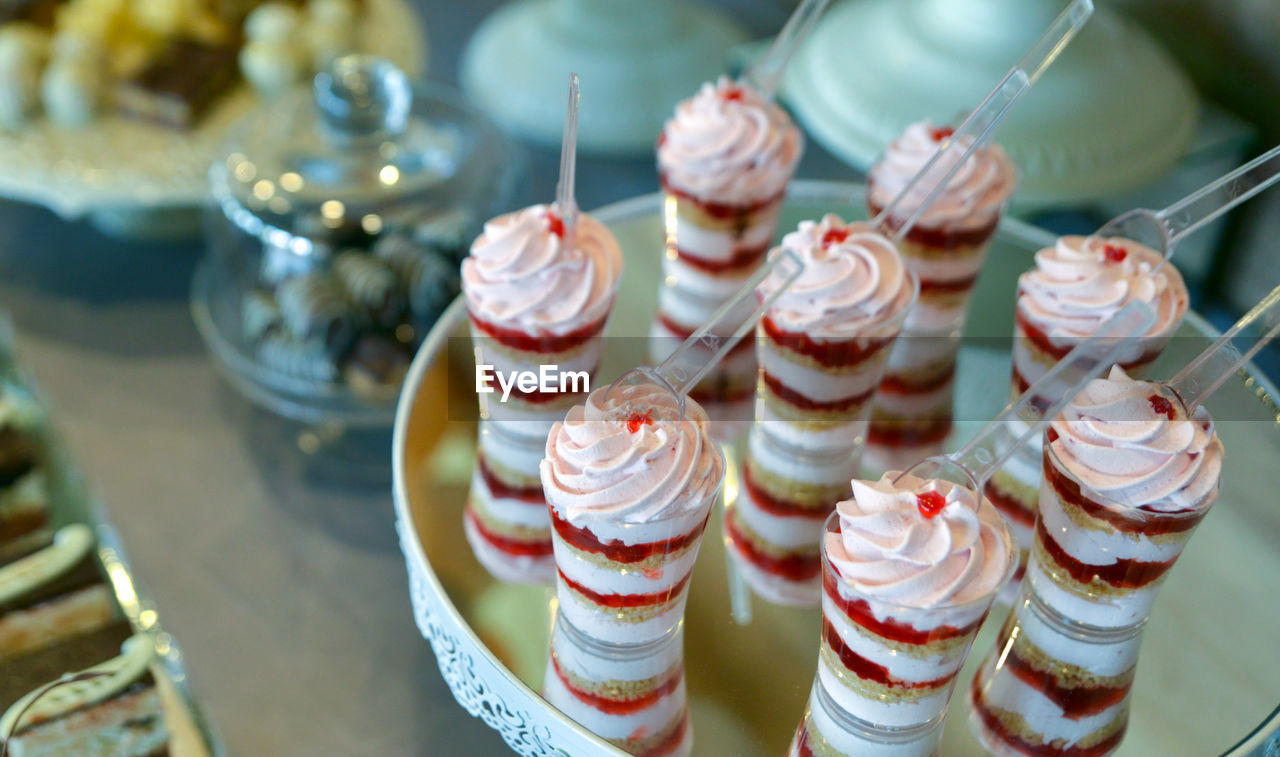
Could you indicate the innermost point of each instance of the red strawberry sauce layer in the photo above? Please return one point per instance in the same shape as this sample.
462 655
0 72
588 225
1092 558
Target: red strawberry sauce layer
1009 506
903 434
1141 521
993 724
898 384
793 567
499 489
743 258
950 286
828 354
868 670
618 706
802 742
1122 574
548 344
719 209
614 549
946 239
796 399
506 544
777 505
621 601
859 611
671 741
1076 701
1041 340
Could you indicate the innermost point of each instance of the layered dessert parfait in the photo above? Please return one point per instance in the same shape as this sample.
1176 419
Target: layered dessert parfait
1077 285
822 348
773 529
24 497
535 299
724 161
632 697
506 520
1047 690
945 248
1127 478
629 491
910 570
828 731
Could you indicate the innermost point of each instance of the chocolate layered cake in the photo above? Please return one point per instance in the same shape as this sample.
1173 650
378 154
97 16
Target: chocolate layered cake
111 706
23 488
51 590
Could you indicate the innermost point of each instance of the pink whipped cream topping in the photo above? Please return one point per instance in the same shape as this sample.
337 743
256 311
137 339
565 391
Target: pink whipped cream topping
1132 442
521 274
889 549
616 459
973 198
1080 282
727 144
853 276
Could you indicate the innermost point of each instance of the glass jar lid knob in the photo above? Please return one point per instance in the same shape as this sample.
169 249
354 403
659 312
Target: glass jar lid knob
362 97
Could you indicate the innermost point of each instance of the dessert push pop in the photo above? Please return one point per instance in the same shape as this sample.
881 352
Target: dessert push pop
539 286
1079 281
942 212
630 477
822 347
724 161
911 566
633 697
1131 468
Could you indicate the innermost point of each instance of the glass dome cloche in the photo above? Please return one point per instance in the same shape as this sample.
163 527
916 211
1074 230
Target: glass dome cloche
340 216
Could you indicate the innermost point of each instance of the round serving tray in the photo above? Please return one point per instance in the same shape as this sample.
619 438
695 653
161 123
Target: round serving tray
139 180
1209 679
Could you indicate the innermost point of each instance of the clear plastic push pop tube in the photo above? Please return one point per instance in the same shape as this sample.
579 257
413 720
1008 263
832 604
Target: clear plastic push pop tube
1131 468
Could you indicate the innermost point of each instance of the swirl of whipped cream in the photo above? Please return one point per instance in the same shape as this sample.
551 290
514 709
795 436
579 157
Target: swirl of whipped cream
520 273
727 144
852 275
887 548
974 197
617 459
1080 282
1132 442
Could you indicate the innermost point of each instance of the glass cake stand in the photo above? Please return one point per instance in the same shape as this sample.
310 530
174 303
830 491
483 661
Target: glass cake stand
1209 676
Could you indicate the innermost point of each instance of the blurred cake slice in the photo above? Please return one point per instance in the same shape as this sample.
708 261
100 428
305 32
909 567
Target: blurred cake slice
23 490
51 590
112 707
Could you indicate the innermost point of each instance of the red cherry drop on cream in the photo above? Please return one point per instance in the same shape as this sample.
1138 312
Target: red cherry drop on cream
732 94
930 503
834 236
555 224
1161 405
941 133
638 419
1114 254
